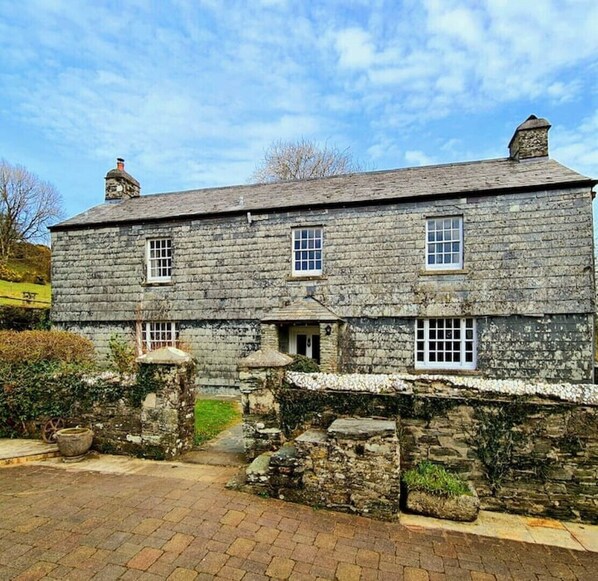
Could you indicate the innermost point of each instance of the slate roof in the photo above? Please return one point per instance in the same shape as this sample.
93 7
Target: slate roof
450 180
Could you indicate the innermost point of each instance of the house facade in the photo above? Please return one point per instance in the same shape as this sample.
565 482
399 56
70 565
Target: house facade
482 268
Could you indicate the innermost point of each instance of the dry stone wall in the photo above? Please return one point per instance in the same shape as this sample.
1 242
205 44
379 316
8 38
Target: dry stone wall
526 454
161 427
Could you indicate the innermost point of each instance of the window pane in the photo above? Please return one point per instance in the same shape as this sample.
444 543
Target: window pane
159 254
444 242
307 250
445 343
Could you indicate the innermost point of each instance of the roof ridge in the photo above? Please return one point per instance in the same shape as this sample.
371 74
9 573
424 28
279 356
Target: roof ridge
334 177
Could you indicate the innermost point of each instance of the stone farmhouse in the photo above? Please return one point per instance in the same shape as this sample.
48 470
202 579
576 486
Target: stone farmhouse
483 267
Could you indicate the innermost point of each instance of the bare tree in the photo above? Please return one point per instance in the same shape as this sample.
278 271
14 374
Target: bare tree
27 205
302 160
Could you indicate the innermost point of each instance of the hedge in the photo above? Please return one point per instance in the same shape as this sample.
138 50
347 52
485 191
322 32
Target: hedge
23 318
27 347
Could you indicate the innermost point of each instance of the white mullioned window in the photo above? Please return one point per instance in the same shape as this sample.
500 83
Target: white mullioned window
159 259
444 243
445 344
157 334
307 251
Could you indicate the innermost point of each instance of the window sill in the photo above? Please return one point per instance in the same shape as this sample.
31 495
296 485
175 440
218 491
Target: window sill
156 283
440 371
306 278
443 272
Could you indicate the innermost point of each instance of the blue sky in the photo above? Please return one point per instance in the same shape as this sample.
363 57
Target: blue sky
192 92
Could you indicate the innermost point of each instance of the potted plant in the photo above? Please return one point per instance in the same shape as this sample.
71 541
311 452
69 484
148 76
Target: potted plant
432 491
74 443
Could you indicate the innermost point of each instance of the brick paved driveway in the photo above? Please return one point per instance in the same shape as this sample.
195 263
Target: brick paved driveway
64 524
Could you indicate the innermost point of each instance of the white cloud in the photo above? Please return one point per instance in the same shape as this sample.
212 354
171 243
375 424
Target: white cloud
355 48
191 93
416 157
576 147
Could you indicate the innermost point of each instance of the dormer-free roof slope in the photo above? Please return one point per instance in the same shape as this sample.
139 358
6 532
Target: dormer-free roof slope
495 176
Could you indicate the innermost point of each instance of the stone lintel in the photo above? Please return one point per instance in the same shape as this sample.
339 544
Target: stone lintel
361 428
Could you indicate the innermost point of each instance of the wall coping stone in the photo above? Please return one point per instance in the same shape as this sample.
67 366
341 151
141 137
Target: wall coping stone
287 452
259 467
312 437
579 393
361 428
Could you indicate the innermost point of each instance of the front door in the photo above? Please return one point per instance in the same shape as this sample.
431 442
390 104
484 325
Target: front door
305 341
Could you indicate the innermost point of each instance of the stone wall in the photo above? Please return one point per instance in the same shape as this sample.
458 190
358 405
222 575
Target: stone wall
162 426
528 454
354 466
524 253
550 348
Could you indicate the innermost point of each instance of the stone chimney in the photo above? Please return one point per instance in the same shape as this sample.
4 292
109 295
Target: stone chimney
119 184
530 139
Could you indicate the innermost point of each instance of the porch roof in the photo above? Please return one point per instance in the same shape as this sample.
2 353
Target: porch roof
304 310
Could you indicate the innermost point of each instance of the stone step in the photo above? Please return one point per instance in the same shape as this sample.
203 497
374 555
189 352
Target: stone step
20 451
257 471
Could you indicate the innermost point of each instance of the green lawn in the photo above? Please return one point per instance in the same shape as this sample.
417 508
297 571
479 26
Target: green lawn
11 293
212 417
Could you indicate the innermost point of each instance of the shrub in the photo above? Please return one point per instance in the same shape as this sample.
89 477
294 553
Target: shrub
27 347
434 479
23 318
303 364
122 355
35 392
9 274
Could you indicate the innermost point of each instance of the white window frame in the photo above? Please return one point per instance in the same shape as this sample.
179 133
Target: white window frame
429 332
160 262
157 334
439 236
314 234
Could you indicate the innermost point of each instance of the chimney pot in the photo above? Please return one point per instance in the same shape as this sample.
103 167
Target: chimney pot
120 164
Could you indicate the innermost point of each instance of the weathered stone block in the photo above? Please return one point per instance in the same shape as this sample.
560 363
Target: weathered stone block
459 508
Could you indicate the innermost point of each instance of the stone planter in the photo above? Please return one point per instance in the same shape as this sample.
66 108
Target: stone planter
459 508
74 443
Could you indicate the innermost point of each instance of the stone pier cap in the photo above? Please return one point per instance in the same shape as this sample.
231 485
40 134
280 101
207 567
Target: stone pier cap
361 428
266 357
166 356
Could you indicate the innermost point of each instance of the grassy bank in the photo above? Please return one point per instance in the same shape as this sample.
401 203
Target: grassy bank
11 293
